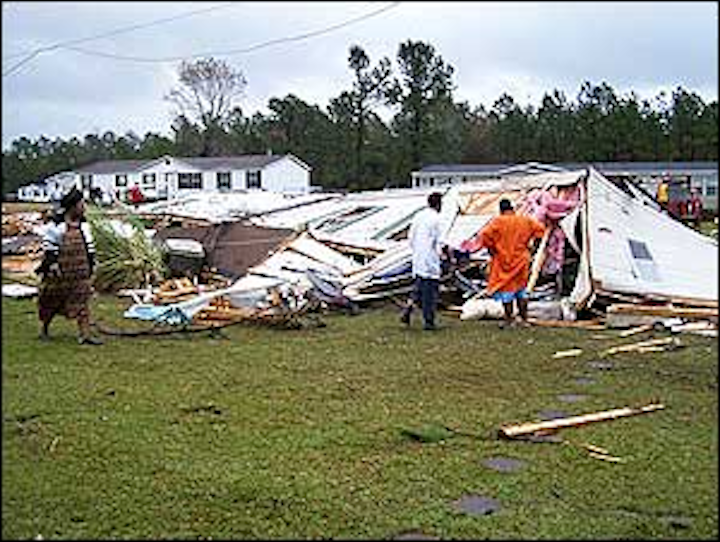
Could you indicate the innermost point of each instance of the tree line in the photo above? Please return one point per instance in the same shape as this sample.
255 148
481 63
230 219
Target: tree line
350 147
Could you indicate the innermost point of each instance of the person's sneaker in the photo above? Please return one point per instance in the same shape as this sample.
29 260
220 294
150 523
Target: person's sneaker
44 337
430 327
94 341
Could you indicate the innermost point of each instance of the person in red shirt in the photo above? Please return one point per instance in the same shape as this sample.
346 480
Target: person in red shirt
507 237
135 195
694 208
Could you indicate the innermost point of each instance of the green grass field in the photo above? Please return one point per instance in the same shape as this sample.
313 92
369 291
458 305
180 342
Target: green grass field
298 434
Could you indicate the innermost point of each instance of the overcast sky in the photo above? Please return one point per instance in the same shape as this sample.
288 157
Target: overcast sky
73 68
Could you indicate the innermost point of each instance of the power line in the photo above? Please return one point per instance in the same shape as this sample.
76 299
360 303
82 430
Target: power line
69 43
269 43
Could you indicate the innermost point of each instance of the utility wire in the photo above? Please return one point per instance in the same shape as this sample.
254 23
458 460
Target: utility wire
68 44
269 43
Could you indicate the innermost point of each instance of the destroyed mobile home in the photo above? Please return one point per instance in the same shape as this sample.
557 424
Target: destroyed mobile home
609 254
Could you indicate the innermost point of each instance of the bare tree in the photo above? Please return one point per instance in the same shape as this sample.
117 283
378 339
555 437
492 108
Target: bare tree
207 93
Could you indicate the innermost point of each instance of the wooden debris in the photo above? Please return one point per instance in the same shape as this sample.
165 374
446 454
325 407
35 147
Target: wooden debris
53 444
593 448
538 260
705 328
594 325
221 309
174 290
642 346
567 353
667 311
636 330
519 430
605 457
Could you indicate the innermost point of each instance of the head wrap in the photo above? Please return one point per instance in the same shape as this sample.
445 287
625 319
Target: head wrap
70 199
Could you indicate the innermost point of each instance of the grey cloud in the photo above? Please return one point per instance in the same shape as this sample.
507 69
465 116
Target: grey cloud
525 48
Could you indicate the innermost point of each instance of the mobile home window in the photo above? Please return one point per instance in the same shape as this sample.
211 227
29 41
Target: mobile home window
190 180
223 180
148 180
121 181
252 179
711 186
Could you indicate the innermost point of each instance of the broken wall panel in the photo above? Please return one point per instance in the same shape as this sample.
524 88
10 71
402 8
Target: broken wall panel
232 247
635 249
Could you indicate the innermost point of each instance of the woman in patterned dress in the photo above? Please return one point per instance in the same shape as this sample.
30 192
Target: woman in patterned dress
66 271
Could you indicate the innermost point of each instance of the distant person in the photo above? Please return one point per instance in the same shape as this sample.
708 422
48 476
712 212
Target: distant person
66 270
507 238
694 208
135 195
96 195
663 194
427 249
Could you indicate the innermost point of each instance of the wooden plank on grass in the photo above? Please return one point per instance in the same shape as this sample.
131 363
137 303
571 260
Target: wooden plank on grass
660 310
522 429
582 324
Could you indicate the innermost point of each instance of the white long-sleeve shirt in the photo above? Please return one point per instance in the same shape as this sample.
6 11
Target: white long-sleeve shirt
424 238
53 233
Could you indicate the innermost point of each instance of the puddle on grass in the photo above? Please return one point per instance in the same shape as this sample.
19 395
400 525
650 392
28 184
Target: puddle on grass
584 380
477 505
504 464
415 535
600 364
571 397
552 414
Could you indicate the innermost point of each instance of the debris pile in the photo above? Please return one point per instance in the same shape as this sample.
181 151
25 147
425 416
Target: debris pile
609 258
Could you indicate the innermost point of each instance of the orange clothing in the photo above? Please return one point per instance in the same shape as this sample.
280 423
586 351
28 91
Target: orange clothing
506 237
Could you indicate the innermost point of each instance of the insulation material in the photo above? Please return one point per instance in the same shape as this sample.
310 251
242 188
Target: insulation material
478 307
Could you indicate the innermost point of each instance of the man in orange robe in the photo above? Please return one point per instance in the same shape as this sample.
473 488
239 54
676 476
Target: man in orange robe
507 238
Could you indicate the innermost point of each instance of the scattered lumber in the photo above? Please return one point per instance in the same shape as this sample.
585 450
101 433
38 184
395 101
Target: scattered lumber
636 330
221 309
538 260
582 324
705 328
524 429
606 457
567 353
643 346
174 290
667 311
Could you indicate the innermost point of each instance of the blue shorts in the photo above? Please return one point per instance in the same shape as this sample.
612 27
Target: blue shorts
508 297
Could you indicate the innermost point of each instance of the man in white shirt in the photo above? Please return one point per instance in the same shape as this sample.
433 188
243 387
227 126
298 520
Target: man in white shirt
424 237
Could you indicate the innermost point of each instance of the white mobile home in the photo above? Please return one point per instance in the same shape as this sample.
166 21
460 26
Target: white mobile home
170 177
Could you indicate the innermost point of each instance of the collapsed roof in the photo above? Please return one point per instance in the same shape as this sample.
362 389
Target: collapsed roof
607 241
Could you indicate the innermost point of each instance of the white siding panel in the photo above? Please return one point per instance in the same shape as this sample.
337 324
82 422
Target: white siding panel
636 249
